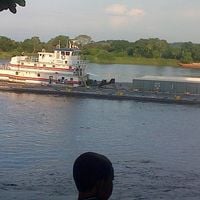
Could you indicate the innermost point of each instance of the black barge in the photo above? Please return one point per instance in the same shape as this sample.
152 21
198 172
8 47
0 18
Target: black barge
181 90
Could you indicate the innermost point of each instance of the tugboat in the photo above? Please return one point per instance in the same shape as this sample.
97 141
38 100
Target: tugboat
63 66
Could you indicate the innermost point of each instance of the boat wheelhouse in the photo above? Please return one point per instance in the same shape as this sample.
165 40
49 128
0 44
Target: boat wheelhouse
63 66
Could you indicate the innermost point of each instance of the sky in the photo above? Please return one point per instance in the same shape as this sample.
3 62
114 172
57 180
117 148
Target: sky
172 20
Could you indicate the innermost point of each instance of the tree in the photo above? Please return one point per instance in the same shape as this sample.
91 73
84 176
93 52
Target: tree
32 45
186 57
196 52
83 40
143 48
150 48
130 51
6 44
118 45
61 40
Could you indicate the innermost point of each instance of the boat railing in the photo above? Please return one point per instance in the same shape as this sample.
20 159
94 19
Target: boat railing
32 59
4 66
82 64
80 68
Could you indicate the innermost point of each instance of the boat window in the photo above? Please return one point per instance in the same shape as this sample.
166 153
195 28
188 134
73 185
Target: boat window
65 62
22 63
67 53
71 79
35 65
44 65
62 53
53 65
38 74
17 73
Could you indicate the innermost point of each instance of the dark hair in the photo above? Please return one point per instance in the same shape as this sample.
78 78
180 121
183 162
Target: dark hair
89 168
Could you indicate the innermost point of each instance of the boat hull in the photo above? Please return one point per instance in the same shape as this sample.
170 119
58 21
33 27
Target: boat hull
38 77
190 65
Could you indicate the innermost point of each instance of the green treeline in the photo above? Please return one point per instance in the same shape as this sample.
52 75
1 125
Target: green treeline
9 47
144 51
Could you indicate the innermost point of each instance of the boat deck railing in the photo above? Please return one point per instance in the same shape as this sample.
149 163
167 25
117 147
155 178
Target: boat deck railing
31 59
4 67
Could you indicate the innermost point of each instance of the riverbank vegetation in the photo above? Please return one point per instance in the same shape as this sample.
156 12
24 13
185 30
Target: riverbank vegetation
151 51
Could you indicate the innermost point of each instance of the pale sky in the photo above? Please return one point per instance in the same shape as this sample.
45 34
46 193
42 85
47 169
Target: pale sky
173 20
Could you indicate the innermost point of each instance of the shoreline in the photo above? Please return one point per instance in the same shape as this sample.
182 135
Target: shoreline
136 61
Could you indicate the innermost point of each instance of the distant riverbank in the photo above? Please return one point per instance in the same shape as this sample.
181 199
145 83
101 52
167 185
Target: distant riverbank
133 60
152 51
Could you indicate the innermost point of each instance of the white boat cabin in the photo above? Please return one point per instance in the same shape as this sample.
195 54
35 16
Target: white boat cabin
60 56
65 56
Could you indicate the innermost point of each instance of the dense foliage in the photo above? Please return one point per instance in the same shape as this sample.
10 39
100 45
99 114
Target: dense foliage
110 51
153 48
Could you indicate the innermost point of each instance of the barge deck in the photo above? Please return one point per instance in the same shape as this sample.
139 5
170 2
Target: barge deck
117 91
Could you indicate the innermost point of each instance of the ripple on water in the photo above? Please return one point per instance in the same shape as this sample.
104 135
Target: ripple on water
154 147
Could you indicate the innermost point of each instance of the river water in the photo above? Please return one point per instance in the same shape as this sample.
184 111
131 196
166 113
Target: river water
154 147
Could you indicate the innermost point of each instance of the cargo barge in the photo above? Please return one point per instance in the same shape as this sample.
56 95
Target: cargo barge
146 89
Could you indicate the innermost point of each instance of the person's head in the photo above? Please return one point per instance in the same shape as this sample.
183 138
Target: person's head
93 175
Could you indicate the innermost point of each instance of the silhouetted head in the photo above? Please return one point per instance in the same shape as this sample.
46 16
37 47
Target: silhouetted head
93 175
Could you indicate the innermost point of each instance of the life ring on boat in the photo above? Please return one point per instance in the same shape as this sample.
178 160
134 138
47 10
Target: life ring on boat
63 57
